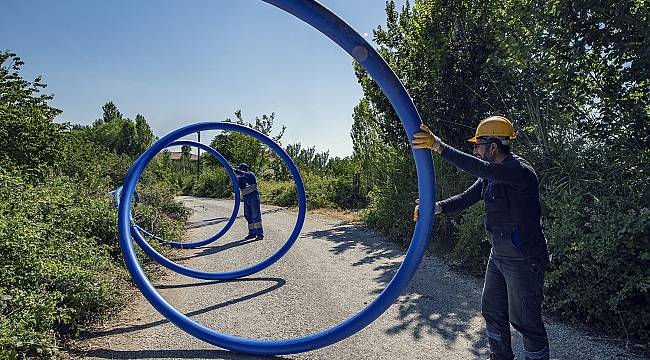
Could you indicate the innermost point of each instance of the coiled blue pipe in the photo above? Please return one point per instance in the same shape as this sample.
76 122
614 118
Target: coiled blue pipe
336 29
144 159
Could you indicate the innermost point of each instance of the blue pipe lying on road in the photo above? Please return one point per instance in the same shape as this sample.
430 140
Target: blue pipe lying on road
336 29
136 171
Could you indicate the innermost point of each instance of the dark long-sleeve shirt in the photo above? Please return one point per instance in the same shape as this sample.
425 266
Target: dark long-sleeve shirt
512 206
512 171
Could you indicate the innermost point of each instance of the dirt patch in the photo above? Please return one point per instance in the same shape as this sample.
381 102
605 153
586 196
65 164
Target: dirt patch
349 216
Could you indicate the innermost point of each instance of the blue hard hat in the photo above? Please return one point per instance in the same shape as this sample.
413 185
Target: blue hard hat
243 167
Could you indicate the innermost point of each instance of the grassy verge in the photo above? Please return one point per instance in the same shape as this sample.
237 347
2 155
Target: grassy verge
61 262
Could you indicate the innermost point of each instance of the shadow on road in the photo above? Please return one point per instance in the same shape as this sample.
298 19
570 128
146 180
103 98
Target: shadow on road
267 211
206 222
219 220
121 330
273 211
348 236
433 304
173 354
209 250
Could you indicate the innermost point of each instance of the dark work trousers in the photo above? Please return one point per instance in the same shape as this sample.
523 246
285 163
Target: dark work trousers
253 213
513 294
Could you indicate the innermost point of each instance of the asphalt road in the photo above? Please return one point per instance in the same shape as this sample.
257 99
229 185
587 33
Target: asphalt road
331 273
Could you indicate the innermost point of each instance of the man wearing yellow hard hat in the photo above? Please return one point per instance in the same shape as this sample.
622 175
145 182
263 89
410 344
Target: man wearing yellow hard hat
514 279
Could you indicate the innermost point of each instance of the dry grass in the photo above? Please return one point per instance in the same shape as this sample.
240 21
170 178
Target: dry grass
350 216
353 217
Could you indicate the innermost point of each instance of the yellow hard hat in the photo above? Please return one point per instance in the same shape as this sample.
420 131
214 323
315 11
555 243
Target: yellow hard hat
494 126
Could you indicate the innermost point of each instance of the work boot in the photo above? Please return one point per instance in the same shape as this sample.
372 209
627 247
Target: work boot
259 237
249 236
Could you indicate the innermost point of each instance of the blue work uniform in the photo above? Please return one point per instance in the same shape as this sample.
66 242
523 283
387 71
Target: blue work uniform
514 278
252 211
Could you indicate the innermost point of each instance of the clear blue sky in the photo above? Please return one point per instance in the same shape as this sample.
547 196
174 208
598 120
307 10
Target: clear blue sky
179 62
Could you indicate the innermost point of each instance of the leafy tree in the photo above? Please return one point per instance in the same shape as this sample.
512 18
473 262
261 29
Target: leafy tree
368 147
53 185
573 77
342 167
144 136
31 140
307 159
598 205
110 113
238 148
605 44
122 135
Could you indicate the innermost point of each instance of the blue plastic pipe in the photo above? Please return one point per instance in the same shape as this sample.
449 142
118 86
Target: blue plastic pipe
354 44
227 275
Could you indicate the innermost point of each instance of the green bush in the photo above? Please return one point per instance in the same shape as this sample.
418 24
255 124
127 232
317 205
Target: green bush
471 249
57 269
348 195
214 184
321 192
187 184
280 193
159 213
393 199
92 164
600 271
62 264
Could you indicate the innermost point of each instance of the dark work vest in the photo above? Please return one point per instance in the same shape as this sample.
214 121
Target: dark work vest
513 217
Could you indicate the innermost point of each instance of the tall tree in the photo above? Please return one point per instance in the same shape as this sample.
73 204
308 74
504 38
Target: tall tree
606 44
238 148
307 159
122 135
144 136
31 140
109 113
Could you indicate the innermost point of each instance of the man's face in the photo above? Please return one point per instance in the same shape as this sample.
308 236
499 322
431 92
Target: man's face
485 150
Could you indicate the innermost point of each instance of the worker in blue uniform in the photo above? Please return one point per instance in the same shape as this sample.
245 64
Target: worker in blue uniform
252 211
514 279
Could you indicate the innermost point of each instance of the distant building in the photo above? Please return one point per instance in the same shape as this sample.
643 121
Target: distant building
176 156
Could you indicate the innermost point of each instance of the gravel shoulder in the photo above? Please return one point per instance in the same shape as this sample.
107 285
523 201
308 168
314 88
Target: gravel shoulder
332 272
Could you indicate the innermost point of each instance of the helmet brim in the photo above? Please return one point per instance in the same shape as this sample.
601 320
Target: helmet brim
476 138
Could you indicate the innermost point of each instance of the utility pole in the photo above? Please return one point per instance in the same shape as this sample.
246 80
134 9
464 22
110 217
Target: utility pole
198 155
